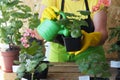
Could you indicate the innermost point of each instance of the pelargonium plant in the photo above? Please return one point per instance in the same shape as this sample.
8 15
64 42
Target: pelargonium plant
30 44
31 55
26 35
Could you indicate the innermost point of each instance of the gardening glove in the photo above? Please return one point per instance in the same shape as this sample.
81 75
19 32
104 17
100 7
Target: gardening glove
89 39
50 13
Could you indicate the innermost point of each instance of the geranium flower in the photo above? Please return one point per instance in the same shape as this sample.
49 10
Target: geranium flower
27 34
101 4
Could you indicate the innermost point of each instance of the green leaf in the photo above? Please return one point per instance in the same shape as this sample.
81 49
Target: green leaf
24 8
12 3
21 68
18 24
76 33
84 12
34 21
42 67
21 15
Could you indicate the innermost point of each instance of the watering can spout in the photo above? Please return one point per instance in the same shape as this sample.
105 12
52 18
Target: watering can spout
64 31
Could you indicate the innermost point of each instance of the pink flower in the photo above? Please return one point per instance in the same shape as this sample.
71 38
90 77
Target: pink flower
26 45
32 34
28 33
101 4
28 30
24 40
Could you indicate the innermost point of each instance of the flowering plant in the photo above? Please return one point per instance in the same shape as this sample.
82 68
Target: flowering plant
31 56
101 4
30 44
27 34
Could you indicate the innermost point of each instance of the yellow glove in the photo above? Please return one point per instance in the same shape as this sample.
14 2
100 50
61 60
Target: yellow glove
89 39
49 13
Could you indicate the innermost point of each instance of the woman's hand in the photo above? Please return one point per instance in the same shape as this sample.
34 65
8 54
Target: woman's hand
49 13
37 36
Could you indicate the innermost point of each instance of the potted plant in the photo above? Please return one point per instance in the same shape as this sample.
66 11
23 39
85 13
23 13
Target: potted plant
115 47
115 34
31 59
95 66
73 23
13 15
32 67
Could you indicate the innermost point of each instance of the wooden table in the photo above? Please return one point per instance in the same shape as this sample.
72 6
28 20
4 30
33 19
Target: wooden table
59 71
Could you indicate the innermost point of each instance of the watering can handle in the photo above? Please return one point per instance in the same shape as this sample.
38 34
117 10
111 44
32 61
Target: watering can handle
62 14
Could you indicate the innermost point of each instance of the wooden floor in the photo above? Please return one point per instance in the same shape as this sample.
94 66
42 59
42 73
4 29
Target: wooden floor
59 71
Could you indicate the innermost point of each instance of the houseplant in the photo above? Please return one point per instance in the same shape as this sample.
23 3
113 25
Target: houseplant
31 64
95 66
32 67
73 23
115 46
13 16
115 34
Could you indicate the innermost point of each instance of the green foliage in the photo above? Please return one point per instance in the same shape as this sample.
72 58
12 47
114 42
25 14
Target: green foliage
13 16
30 64
34 48
95 65
114 34
74 22
34 21
31 59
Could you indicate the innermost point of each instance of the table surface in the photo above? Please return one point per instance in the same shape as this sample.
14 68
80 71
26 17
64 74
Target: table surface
59 71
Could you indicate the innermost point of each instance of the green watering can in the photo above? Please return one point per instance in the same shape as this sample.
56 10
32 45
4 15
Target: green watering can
49 29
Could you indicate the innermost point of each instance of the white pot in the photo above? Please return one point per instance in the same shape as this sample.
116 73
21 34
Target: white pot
15 67
24 79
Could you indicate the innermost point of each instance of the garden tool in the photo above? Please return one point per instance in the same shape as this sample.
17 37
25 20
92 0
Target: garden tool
49 28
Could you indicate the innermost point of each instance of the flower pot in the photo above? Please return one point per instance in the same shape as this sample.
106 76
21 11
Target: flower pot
38 75
118 74
98 78
14 68
72 44
7 60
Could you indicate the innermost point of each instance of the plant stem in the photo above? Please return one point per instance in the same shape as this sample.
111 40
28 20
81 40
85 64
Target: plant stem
32 76
95 77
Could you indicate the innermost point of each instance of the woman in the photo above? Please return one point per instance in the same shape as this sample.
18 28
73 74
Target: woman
94 37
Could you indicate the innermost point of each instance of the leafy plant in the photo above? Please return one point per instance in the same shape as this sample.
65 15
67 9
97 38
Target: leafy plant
74 22
94 65
30 64
13 16
31 55
114 34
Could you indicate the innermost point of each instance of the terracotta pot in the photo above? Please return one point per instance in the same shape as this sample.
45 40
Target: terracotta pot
7 60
